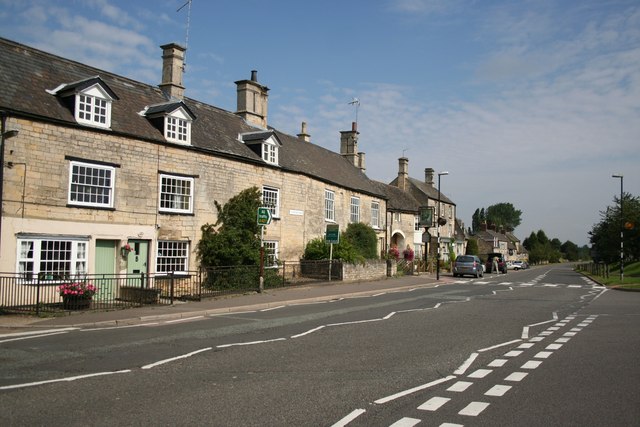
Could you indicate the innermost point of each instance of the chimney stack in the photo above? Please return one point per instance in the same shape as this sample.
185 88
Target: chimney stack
252 101
361 162
403 173
428 176
349 145
303 135
172 70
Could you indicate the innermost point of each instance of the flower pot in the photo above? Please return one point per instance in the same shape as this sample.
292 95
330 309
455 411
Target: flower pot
75 303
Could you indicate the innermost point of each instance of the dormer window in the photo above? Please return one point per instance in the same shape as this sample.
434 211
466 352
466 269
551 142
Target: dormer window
265 144
93 110
177 130
270 153
90 101
173 119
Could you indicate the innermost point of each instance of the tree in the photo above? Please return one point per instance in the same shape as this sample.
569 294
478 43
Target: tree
472 247
570 251
476 221
235 241
530 242
605 235
363 238
542 237
504 215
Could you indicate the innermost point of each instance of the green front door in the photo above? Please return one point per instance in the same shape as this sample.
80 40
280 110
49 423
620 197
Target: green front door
137 259
105 268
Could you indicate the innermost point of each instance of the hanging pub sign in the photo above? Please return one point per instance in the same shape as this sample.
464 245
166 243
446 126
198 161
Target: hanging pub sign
426 216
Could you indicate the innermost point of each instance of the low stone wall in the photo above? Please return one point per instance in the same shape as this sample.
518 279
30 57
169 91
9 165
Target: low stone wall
140 295
373 269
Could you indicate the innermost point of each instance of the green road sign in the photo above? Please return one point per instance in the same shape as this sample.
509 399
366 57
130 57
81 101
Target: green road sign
264 216
333 233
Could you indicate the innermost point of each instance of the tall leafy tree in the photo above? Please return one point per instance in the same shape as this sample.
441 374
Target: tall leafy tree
233 240
476 221
504 215
570 250
605 235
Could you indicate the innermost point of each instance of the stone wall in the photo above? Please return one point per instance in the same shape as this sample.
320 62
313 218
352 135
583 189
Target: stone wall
374 269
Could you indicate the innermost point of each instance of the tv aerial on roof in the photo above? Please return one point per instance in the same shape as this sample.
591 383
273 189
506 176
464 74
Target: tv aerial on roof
356 103
186 38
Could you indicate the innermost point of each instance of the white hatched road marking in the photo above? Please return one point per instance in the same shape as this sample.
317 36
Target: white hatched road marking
516 376
463 368
352 416
513 353
536 339
543 354
474 409
460 386
531 364
498 390
434 403
451 425
497 363
405 422
563 340
480 373
553 346
526 345
413 390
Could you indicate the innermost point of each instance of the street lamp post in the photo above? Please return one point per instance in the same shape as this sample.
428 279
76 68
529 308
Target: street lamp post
621 225
438 227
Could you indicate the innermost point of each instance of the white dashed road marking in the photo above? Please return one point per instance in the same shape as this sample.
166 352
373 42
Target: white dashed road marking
480 373
460 386
516 376
433 404
498 390
405 422
531 364
474 409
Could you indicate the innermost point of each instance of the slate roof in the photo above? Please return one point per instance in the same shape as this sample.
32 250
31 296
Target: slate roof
424 191
398 200
27 73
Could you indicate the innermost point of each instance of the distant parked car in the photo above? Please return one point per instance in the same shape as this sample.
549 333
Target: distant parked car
502 265
517 265
468 264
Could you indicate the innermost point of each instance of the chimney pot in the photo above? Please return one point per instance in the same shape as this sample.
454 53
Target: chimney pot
303 133
254 76
354 126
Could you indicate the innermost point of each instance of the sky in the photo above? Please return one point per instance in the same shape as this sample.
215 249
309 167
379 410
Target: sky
534 103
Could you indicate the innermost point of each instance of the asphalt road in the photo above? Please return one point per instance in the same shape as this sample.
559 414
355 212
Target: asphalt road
536 347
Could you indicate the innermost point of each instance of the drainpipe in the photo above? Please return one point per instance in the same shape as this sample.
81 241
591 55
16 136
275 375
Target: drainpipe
4 134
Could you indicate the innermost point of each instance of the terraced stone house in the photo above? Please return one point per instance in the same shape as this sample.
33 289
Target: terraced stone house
104 174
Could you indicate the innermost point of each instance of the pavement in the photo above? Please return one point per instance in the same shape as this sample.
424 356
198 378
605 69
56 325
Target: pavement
251 301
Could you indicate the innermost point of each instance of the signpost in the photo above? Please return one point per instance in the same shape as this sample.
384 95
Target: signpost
264 219
426 220
264 216
332 235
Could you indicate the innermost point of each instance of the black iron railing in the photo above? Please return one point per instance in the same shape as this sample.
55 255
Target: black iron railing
20 293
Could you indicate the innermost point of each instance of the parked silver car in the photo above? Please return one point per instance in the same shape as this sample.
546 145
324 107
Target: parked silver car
468 264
